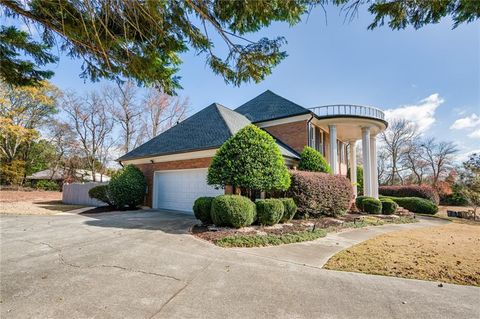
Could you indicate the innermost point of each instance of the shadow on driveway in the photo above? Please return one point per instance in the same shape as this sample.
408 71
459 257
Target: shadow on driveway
171 222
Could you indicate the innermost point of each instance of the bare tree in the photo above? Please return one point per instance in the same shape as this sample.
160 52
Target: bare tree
439 156
125 107
412 159
162 111
92 124
395 140
62 137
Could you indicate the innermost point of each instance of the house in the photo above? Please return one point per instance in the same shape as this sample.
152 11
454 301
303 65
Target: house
60 175
176 161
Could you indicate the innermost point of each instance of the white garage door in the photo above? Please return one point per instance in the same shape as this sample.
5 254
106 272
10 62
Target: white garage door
177 190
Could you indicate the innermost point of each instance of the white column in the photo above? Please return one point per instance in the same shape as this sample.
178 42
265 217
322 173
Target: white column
333 148
367 175
353 165
373 166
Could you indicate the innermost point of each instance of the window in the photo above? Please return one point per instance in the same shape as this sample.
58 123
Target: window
319 140
341 151
311 135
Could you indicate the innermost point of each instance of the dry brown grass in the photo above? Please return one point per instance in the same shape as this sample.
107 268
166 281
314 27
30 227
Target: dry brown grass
449 253
33 203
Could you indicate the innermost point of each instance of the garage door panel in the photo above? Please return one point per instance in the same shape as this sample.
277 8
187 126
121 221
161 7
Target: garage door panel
177 190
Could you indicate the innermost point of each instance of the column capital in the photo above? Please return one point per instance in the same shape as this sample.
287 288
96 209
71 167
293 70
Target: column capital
366 128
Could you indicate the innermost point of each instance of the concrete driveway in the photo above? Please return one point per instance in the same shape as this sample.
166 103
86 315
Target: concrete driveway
145 265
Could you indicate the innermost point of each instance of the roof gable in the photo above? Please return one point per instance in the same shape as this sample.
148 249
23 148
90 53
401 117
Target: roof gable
208 128
268 106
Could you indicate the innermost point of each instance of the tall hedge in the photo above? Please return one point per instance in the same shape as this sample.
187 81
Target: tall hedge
250 159
320 193
313 161
421 191
128 187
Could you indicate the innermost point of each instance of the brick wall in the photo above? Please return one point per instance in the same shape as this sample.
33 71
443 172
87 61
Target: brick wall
149 169
293 134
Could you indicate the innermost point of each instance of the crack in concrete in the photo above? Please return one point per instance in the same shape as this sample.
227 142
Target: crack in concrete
64 262
188 282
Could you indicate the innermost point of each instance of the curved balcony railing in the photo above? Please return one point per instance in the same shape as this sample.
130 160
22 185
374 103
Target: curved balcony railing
347 109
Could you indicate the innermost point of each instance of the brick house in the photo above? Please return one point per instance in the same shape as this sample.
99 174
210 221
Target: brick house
176 161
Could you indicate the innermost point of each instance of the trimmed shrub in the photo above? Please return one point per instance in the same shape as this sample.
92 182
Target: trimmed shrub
250 159
320 193
100 193
416 204
389 207
202 208
372 205
233 210
127 187
269 211
47 185
422 191
313 161
290 209
358 202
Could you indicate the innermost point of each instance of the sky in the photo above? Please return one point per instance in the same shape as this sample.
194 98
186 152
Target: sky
430 75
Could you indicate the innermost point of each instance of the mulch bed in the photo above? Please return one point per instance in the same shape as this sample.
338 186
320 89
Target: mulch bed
212 233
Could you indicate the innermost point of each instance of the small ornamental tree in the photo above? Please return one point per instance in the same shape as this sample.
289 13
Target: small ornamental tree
249 160
313 161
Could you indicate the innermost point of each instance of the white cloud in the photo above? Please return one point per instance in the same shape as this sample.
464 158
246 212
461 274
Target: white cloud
463 156
470 121
475 134
422 113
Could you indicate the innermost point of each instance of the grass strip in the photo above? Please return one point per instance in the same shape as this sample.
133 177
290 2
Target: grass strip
270 239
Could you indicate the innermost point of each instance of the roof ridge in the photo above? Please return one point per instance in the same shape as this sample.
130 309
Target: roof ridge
222 110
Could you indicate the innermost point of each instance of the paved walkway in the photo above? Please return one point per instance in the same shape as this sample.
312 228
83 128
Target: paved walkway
146 265
317 253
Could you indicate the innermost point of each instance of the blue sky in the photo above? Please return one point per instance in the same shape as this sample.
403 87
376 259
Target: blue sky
429 75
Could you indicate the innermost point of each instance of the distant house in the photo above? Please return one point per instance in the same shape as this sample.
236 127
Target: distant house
62 175
175 162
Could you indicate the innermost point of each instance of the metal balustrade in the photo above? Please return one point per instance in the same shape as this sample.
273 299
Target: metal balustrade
347 109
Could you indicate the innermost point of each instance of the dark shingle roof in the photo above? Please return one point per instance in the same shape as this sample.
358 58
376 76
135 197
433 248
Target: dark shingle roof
269 106
206 129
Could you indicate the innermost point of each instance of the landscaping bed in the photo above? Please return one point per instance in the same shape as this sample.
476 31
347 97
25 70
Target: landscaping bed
296 230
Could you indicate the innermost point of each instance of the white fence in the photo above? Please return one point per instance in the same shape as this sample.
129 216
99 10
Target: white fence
77 194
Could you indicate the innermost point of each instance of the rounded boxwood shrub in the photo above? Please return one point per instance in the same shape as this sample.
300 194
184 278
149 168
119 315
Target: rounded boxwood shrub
289 209
233 210
202 208
389 207
358 202
416 204
320 193
269 211
100 193
372 205
127 187
313 161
